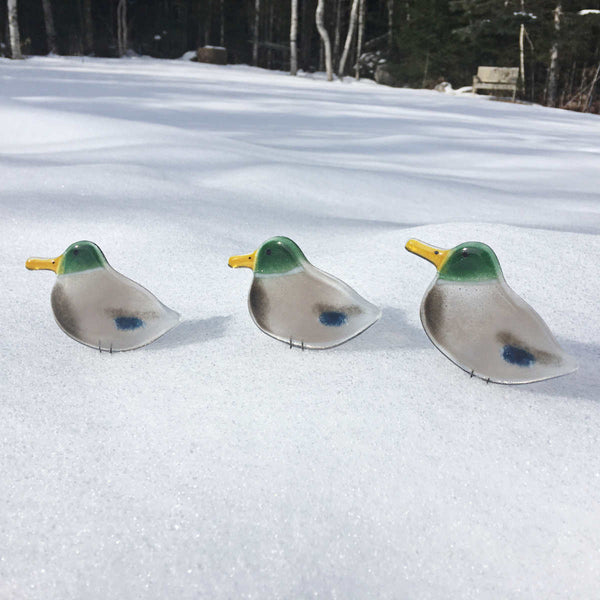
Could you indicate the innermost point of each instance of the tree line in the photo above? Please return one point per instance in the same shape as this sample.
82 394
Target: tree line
418 43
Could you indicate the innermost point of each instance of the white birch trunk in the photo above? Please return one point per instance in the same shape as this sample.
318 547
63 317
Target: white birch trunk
256 26
319 18
522 57
49 24
293 39
361 34
553 69
13 28
351 28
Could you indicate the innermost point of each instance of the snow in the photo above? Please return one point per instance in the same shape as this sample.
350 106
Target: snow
189 55
218 463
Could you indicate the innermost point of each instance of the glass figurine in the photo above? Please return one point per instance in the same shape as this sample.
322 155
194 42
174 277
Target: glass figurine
473 317
293 301
99 307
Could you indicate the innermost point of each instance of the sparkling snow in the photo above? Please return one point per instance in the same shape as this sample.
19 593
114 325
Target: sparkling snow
218 463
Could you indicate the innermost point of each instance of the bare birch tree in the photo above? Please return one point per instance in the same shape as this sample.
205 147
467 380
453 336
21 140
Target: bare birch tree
553 69
122 27
361 35
256 26
13 28
522 51
351 28
293 38
319 18
522 57
49 24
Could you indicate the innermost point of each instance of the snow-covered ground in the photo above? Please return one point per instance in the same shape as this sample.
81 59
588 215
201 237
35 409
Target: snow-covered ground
218 463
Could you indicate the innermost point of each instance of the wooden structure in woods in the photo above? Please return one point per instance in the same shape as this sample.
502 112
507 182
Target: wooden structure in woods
212 54
496 78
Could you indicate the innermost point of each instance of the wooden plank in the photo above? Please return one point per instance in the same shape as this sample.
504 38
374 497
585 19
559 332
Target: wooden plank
495 86
506 75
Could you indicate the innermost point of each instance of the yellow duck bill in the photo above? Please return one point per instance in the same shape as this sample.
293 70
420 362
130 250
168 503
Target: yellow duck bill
243 260
44 264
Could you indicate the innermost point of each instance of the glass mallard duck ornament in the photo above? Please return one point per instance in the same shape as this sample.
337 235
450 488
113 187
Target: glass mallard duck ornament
473 317
99 307
293 301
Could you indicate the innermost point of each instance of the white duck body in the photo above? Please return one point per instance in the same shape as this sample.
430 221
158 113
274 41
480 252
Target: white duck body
489 331
103 309
309 308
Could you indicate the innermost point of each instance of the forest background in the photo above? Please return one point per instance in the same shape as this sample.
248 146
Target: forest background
407 43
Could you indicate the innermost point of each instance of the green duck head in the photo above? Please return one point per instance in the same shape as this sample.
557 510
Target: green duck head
471 261
276 256
78 257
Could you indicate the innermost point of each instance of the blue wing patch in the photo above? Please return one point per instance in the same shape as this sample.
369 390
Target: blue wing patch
333 318
517 356
128 323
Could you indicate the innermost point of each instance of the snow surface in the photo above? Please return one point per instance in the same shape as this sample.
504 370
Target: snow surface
218 463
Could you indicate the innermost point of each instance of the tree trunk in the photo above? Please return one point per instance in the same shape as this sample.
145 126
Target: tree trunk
571 80
256 26
351 28
522 58
361 34
13 27
426 70
337 34
49 24
553 69
207 22
270 36
591 92
390 7
319 18
293 39
305 36
122 27
222 32
88 26
321 56
532 67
